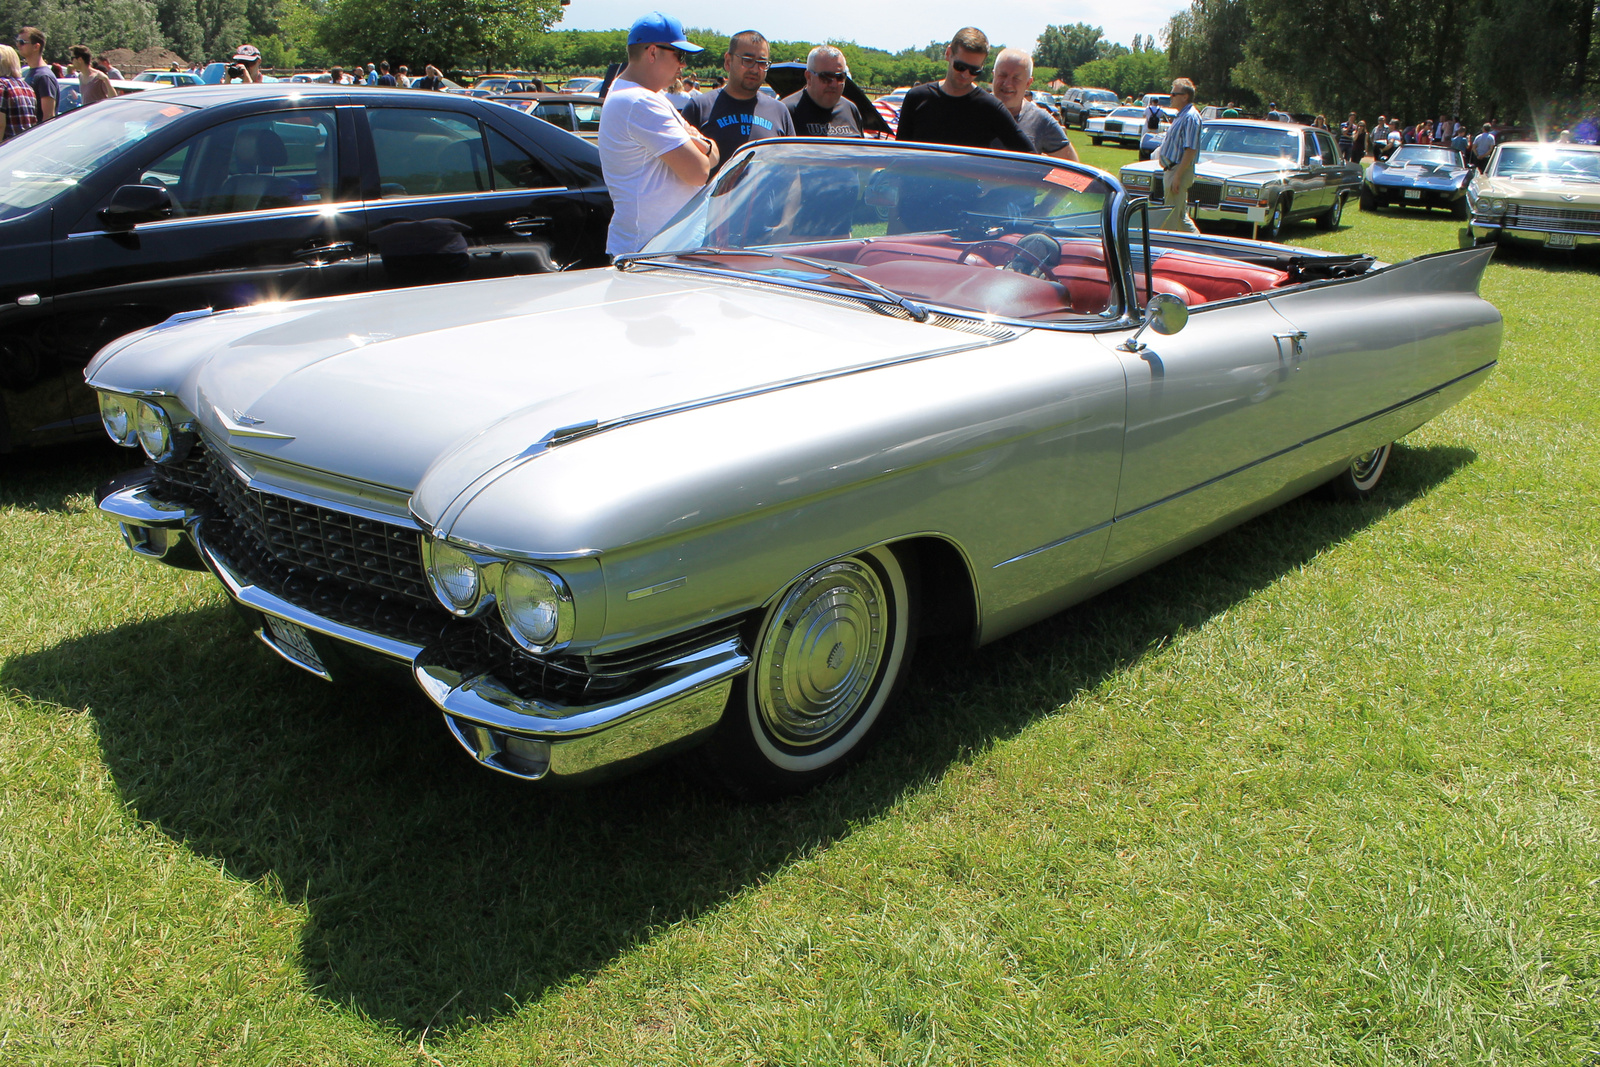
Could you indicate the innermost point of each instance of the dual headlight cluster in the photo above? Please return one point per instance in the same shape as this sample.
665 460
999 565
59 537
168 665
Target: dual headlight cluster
1243 192
134 422
1136 181
535 604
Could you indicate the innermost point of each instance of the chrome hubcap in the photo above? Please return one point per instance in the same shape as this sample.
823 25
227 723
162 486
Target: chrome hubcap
1368 465
821 653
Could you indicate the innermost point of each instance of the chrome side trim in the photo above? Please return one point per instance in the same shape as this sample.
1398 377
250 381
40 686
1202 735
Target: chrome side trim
136 505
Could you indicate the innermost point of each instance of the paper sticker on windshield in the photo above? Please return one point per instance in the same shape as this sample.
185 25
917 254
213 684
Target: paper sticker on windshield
793 275
1069 178
169 112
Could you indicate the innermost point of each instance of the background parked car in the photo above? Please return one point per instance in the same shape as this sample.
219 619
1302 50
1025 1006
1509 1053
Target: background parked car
1418 175
1541 193
71 97
577 113
168 77
1080 104
119 215
582 85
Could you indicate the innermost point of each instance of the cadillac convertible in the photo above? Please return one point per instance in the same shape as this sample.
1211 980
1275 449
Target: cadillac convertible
711 495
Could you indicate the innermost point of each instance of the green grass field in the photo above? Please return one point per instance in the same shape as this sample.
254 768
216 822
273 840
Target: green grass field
1323 791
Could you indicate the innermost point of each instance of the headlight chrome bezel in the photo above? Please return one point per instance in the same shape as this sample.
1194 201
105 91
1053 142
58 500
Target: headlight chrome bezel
562 608
170 442
111 406
482 588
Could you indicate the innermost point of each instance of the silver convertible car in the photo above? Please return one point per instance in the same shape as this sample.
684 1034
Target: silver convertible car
711 494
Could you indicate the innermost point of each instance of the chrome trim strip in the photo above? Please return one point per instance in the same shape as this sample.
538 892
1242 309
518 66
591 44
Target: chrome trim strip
661 587
485 700
296 211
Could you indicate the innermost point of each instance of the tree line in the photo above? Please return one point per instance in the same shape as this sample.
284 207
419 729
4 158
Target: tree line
1513 61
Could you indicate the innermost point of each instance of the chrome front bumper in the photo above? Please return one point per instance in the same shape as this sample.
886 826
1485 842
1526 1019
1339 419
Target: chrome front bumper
528 739
1492 228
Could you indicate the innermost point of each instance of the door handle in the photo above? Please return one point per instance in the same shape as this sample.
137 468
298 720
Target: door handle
527 225
326 253
1294 338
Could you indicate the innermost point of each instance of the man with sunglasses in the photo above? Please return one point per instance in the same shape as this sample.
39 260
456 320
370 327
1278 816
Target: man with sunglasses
40 78
820 109
956 111
653 161
739 112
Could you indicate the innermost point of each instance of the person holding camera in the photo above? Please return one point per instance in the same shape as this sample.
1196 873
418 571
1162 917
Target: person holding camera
246 66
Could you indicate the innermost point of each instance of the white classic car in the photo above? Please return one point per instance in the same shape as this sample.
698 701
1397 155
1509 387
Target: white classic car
854 391
1126 126
1544 193
1263 174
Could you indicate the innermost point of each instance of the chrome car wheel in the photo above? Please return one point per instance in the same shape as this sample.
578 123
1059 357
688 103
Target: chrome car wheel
1357 481
1330 220
1272 229
827 660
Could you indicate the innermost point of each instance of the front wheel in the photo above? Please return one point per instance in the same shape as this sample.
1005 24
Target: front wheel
1329 220
1360 479
1096 140
1272 229
829 656
1369 202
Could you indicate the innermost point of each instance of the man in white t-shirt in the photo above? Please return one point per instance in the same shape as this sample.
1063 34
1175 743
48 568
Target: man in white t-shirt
652 159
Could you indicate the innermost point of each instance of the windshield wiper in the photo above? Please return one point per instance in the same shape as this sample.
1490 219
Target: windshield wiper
916 311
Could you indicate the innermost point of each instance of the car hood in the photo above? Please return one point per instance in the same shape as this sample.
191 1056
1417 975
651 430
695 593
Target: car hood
381 386
1552 191
1228 168
1419 174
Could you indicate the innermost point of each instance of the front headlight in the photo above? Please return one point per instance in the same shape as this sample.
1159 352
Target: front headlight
154 431
117 419
454 576
1242 192
536 607
1136 181
1497 205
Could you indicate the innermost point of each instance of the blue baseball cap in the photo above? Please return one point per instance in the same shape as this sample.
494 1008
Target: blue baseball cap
656 28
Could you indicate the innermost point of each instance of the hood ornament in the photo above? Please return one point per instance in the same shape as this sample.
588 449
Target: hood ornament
246 420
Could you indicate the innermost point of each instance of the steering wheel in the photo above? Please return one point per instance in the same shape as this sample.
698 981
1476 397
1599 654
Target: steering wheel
1042 269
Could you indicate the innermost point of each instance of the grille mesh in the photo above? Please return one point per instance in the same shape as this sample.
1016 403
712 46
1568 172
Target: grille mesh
1584 221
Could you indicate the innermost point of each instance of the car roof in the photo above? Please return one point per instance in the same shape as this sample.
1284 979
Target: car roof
209 95
560 98
1563 145
1261 124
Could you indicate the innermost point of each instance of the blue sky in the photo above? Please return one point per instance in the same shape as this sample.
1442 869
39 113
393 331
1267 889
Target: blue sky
884 25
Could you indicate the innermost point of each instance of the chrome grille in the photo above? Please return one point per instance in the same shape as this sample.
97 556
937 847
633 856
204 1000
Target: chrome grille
1205 195
357 552
1563 218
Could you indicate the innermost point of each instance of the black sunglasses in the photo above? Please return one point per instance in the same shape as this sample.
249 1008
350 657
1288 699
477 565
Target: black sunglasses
829 76
968 68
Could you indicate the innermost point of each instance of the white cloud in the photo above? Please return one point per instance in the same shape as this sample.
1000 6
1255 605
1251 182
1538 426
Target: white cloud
887 26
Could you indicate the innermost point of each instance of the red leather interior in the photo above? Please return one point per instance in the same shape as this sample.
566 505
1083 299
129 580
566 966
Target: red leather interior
931 266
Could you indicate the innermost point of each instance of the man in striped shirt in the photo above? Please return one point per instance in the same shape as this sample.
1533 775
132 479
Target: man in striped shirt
1179 151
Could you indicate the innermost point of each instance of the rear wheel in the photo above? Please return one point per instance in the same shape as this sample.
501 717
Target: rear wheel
830 654
1357 481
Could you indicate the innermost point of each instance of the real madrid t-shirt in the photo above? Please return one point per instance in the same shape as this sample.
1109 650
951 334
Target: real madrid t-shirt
732 122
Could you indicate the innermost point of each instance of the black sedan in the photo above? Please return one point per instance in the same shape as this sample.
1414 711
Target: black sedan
1418 175
121 215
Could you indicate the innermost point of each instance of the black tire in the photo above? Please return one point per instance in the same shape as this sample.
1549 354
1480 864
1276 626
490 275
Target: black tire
1272 229
1458 209
1096 140
1368 201
1329 220
828 660
1360 479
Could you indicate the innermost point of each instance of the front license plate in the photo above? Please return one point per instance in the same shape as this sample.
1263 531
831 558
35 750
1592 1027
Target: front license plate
291 641
1413 194
1560 240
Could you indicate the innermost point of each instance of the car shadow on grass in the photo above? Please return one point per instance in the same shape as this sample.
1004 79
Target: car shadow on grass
439 892
45 479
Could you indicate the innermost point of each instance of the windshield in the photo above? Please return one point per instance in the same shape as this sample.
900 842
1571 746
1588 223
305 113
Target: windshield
1020 237
1547 161
1249 141
53 158
1413 153
1100 96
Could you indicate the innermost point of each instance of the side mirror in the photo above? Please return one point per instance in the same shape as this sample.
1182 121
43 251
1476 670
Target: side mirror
133 204
1165 314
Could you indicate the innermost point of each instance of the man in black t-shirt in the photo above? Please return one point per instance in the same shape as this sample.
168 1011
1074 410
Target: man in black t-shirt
738 112
820 109
955 111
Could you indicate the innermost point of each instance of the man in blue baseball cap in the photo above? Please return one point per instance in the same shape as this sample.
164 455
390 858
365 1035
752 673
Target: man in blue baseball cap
653 160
